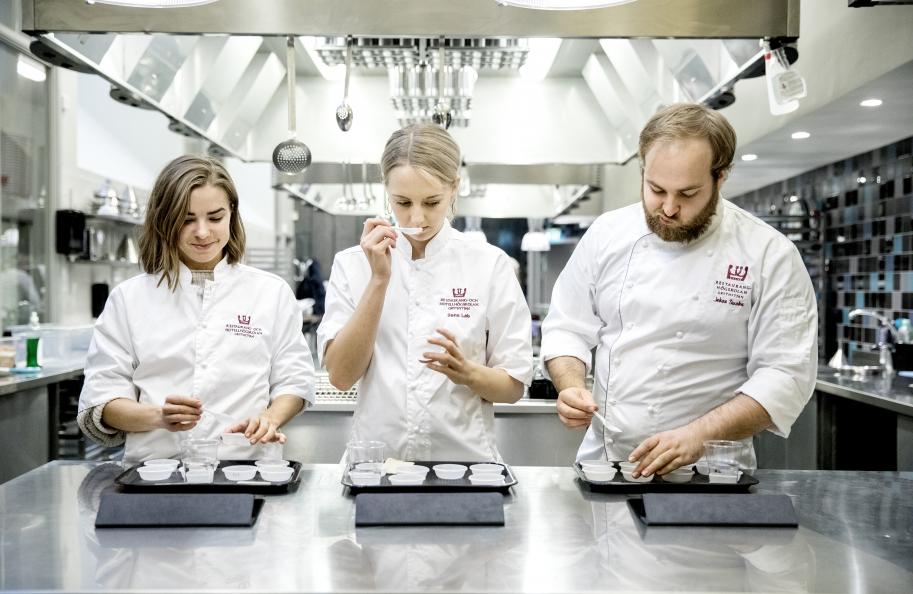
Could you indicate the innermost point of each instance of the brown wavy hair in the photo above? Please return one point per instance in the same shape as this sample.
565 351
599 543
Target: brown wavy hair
168 206
691 120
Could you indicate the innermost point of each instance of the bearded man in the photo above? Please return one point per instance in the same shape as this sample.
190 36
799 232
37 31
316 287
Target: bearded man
703 317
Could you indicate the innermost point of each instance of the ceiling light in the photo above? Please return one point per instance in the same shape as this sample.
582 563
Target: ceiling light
749 157
871 103
801 135
539 60
153 3
30 69
334 73
562 4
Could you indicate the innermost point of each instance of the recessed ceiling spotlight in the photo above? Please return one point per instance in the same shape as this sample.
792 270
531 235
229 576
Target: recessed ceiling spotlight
801 135
749 157
871 102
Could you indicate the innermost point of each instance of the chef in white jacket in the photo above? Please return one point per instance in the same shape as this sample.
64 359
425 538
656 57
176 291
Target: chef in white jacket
198 343
703 317
433 325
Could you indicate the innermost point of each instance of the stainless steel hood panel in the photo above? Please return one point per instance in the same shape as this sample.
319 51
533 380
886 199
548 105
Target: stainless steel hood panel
466 18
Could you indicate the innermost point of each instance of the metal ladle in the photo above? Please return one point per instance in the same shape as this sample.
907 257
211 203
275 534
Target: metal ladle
291 156
344 111
441 116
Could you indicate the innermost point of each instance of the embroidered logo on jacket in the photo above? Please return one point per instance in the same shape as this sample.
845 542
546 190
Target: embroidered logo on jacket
460 305
733 290
243 328
738 273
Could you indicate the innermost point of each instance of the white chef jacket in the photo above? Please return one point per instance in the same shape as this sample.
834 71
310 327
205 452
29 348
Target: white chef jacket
464 286
679 329
235 350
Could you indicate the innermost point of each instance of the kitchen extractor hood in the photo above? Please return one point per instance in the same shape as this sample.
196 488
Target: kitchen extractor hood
216 71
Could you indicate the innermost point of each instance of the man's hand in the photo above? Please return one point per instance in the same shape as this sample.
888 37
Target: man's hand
666 451
262 428
575 407
180 413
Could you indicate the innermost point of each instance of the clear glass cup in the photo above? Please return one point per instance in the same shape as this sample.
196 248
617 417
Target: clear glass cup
200 454
368 456
722 456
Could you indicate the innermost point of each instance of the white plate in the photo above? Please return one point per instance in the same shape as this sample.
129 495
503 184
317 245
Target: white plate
406 478
491 468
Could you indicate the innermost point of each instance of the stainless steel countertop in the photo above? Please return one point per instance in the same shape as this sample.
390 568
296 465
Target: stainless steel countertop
892 393
856 535
13 383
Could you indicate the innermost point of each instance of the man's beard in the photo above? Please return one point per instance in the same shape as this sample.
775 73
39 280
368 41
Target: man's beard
680 232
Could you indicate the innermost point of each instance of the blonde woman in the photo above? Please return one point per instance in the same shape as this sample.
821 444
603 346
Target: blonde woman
197 332
434 326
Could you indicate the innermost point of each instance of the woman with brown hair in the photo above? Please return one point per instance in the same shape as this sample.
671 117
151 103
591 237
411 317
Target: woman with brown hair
198 332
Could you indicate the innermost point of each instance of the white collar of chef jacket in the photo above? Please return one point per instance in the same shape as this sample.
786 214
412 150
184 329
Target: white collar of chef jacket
715 221
435 245
186 277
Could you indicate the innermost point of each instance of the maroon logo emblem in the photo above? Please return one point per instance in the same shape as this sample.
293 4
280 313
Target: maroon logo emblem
244 320
459 293
739 273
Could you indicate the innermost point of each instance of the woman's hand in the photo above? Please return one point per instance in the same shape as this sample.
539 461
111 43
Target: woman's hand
451 362
261 428
180 413
377 238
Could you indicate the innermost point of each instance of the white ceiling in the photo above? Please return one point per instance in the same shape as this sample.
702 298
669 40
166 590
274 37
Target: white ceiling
839 129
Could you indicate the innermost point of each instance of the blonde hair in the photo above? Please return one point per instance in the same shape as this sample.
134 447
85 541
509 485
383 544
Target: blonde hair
167 209
691 120
424 146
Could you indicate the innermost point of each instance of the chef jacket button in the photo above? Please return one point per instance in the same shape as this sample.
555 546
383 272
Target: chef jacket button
709 253
646 244
203 365
695 296
630 285
613 402
630 325
616 361
679 335
609 440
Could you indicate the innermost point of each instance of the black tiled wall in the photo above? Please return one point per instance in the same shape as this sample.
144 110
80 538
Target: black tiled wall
859 249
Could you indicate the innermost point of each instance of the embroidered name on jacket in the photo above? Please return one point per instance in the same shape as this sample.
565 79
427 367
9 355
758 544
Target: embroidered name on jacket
735 288
459 305
243 328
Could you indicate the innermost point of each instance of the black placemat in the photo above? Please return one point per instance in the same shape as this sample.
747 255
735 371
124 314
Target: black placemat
468 508
699 483
172 510
130 480
434 484
715 509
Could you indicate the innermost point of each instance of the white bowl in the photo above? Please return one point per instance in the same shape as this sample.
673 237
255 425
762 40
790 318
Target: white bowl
727 479
406 478
491 468
154 473
271 462
679 475
600 474
625 465
162 463
641 479
596 464
486 478
199 476
370 467
414 469
241 472
362 478
449 471
276 474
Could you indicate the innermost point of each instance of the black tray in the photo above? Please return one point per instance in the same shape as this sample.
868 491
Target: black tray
433 483
130 480
699 483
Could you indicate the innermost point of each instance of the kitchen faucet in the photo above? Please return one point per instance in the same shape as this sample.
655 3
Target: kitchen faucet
884 345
